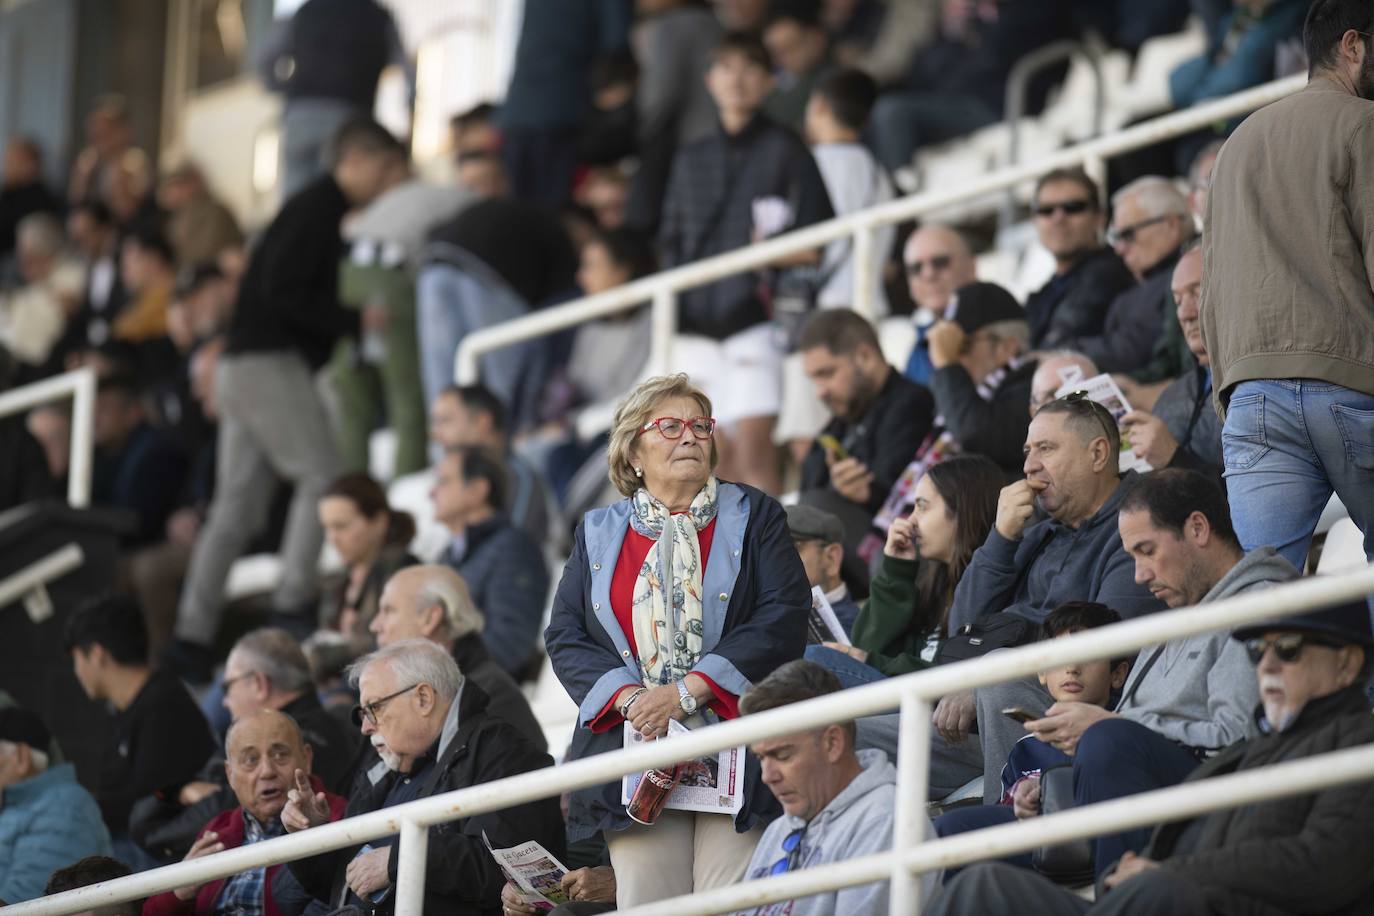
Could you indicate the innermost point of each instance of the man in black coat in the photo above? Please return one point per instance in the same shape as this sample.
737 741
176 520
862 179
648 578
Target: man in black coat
1151 223
880 420
272 422
1303 853
433 601
982 381
1087 274
432 732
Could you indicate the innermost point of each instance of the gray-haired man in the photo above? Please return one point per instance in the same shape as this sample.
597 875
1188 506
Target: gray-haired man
432 734
433 602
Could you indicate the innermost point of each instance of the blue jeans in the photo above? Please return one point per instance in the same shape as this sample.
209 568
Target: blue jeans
850 671
1287 444
450 304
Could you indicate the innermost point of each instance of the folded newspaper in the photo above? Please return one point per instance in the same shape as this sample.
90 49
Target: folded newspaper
534 870
714 785
1103 390
822 625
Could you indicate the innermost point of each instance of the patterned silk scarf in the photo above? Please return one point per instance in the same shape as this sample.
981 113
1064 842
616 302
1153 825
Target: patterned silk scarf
667 621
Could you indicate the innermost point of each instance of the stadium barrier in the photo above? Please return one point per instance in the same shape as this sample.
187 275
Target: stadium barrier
910 855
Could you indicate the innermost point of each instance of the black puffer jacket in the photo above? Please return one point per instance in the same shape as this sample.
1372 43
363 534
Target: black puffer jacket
461 877
1303 854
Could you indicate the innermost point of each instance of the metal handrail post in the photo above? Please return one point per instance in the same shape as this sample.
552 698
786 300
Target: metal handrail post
663 322
913 788
861 267
413 849
83 440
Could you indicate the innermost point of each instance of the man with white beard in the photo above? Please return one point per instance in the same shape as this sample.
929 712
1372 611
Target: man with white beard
432 734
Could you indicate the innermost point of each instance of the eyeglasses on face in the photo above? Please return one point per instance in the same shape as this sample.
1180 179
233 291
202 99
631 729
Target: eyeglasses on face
1126 234
1070 208
231 681
370 711
1287 648
791 844
936 264
674 427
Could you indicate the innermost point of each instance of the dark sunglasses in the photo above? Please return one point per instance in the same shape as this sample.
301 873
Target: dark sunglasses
1127 234
1086 405
791 844
1070 208
936 264
371 710
1287 648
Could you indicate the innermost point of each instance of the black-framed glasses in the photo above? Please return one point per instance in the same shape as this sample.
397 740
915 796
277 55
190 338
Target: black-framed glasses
936 264
231 681
1069 207
674 427
1084 404
791 844
1126 235
371 710
1287 648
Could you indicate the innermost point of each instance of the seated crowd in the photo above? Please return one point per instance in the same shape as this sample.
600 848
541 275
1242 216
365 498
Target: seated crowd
1160 425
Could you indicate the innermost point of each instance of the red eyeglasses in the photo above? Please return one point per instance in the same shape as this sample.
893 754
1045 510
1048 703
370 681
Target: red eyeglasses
674 427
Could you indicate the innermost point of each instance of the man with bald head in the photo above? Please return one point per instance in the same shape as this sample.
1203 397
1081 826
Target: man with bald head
264 752
1050 373
937 260
433 602
1182 430
1151 222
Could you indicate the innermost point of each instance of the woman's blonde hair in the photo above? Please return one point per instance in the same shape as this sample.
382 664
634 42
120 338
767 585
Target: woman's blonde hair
638 409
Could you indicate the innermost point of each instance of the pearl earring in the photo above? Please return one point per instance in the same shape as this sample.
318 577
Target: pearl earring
639 472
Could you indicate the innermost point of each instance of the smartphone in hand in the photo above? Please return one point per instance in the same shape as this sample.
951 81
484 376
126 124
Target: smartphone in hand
1021 714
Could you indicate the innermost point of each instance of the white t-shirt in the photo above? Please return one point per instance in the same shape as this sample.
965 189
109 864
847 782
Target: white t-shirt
854 180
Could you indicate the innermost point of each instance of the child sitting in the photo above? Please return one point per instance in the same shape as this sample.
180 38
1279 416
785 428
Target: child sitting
1095 682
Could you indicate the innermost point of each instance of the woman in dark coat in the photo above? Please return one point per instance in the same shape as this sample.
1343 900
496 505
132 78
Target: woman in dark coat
627 650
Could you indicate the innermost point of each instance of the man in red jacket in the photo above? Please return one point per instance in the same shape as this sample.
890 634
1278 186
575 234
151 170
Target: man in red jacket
263 751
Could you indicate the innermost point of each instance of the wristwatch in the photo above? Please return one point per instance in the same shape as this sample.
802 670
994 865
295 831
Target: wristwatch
687 701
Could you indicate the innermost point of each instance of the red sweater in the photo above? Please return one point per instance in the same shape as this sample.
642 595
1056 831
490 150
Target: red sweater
229 826
632 553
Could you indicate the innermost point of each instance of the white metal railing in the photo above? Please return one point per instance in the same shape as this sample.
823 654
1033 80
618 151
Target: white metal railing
78 385
908 857
662 289
31 582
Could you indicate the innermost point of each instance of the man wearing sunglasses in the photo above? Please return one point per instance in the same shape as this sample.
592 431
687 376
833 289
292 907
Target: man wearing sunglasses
837 803
432 733
1301 854
1088 275
937 260
1150 224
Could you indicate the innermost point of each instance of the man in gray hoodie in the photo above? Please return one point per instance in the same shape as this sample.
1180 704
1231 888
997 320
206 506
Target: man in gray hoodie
838 803
1186 699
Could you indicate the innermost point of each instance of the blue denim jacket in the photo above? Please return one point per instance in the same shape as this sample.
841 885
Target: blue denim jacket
755 605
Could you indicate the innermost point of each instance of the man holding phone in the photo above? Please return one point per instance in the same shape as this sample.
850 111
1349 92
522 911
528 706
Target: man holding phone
880 419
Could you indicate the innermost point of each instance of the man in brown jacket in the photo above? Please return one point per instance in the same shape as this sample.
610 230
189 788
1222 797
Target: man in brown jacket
1288 294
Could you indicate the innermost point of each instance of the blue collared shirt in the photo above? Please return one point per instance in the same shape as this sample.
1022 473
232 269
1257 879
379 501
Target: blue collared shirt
242 894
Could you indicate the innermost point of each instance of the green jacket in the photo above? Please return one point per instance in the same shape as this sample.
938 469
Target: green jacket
885 627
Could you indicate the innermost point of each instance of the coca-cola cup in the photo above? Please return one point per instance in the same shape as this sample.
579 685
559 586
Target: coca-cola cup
652 794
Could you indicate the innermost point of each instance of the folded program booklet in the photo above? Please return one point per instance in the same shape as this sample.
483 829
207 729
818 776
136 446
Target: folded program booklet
533 870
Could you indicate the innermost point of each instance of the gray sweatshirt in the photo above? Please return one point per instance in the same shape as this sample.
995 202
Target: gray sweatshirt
857 822
1202 690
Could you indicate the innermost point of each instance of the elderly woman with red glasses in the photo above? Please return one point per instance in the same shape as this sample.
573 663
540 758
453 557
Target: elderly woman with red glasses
675 601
